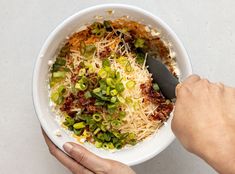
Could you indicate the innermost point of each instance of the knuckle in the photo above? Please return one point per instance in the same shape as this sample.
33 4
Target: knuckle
108 167
175 125
183 90
52 151
80 155
194 76
220 85
217 87
205 81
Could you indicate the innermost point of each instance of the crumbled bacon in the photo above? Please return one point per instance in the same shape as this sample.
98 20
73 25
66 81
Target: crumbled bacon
164 109
83 100
92 109
105 53
68 103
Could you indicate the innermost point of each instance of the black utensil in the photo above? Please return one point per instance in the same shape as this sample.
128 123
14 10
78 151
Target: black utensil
162 76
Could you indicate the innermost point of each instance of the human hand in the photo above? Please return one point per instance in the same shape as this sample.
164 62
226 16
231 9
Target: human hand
84 162
204 121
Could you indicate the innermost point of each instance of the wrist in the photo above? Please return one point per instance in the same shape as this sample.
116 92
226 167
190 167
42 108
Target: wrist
220 154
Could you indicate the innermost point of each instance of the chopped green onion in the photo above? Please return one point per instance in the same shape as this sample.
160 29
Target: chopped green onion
136 105
98 32
113 92
121 99
79 125
100 136
82 72
106 123
128 67
130 84
54 81
128 100
107 25
92 127
112 106
83 80
96 90
118 76
89 50
102 73
77 132
101 97
58 74
125 30
115 140
122 60
97 117
106 63
56 97
119 87
60 61
103 128
117 134
96 131
108 69
103 92
105 145
122 114
116 123
81 86
140 56
110 145
87 94
118 146
113 99
107 136
156 87
99 103
98 144
68 121
139 43
131 136
61 89
110 82
108 90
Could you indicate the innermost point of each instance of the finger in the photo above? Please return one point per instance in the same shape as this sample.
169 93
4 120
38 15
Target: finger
191 79
86 158
68 162
177 89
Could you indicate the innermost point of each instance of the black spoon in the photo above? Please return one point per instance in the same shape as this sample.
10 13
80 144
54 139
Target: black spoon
162 76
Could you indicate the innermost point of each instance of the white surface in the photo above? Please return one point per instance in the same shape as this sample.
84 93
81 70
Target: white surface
205 27
141 152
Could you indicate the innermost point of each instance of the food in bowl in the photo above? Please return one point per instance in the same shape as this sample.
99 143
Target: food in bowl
100 86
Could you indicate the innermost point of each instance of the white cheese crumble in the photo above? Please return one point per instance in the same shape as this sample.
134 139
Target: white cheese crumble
58 133
50 62
154 33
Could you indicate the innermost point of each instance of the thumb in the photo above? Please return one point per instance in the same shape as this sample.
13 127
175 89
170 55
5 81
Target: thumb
87 159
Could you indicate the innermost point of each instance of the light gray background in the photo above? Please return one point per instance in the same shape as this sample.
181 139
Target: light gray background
205 27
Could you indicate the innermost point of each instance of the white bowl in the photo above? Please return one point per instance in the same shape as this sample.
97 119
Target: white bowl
142 151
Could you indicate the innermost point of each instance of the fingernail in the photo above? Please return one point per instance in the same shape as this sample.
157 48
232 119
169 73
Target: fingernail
67 147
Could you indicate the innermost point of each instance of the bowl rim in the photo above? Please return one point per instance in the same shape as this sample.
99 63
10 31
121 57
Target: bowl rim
61 25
